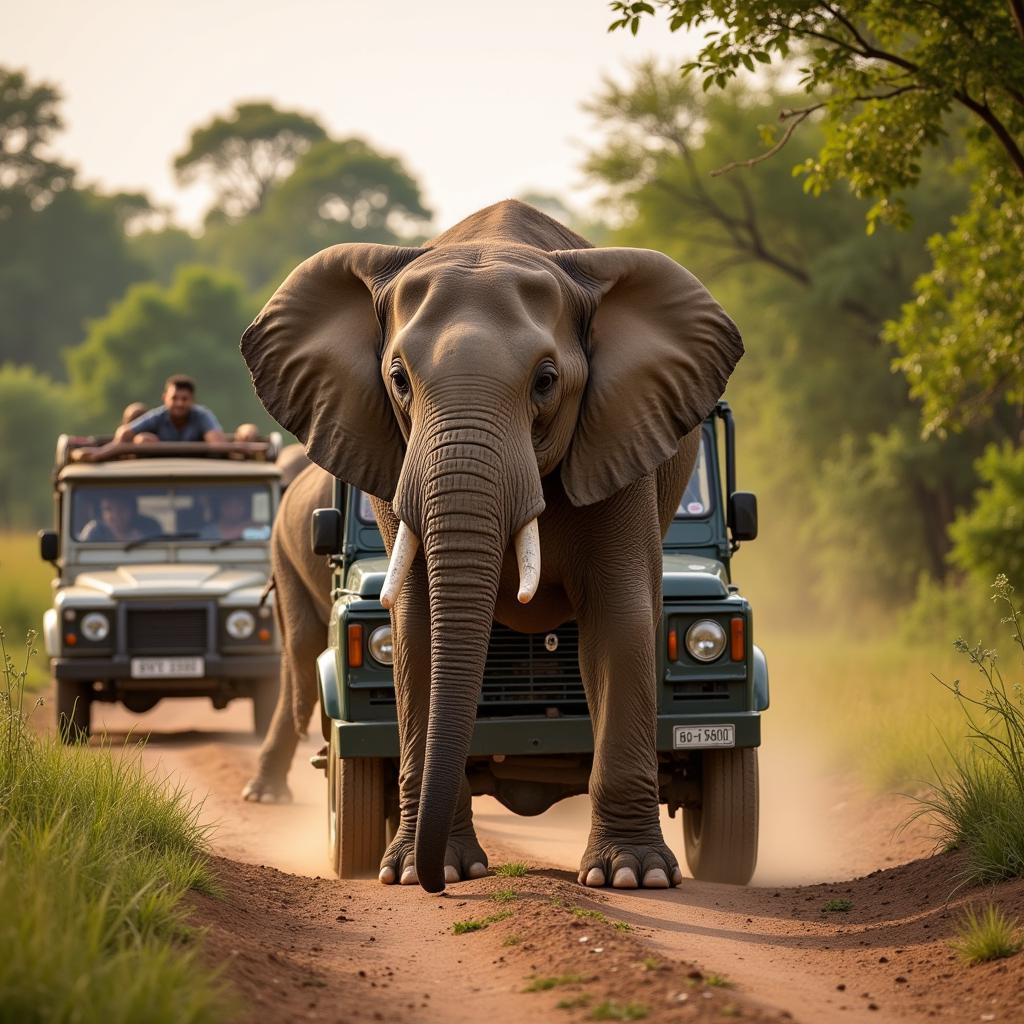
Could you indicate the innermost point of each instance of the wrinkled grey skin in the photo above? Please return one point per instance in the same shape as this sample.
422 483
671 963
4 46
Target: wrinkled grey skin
302 605
503 372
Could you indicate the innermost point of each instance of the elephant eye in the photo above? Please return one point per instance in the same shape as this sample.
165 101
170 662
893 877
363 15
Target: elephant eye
400 381
545 381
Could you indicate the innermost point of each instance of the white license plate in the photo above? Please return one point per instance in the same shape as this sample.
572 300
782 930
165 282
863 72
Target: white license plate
690 737
168 668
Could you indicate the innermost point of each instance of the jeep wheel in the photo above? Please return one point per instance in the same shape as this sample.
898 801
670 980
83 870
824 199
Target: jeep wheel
356 814
73 711
264 703
721 835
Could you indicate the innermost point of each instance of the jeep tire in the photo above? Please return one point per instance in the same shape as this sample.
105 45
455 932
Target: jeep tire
264 703
356 814
74 711
720 836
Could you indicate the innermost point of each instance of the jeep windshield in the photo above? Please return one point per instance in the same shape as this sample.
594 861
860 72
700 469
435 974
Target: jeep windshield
696 502
136 514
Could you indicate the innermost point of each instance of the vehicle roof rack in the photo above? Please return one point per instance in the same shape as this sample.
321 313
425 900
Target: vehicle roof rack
99 448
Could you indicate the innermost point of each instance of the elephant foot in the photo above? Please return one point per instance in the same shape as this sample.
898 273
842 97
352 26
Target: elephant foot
625 863
464 858
267 791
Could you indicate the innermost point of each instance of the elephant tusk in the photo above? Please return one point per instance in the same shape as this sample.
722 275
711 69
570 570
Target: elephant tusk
528 555
402 555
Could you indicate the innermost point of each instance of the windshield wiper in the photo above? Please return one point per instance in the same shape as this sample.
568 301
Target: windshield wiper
139 541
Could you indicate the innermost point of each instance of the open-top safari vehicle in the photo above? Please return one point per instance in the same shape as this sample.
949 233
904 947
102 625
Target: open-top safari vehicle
162 553
533 741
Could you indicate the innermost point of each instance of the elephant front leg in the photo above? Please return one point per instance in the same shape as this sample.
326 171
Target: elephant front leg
410 617
626 847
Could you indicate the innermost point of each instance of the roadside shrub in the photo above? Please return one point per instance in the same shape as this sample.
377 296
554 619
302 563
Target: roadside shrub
95 857
979 801
987 935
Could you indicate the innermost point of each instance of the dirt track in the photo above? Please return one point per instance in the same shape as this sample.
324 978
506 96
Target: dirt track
317 948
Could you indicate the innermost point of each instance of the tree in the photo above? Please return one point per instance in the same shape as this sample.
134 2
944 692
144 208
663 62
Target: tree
28 122
245 154
890 76
339 191
191 326
811 292
33 411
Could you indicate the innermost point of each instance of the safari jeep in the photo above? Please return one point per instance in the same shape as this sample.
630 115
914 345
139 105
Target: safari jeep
533 742
162 554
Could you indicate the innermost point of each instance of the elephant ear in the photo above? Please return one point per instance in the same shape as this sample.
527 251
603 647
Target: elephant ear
660 352
314 354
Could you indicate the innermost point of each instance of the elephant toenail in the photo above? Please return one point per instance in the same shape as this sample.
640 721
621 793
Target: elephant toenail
677 876
624 878
655 879
477 870
409 876
387 875
450 874
595 878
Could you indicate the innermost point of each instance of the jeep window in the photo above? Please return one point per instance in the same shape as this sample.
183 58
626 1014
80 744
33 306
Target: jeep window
696 500
183 511
366 510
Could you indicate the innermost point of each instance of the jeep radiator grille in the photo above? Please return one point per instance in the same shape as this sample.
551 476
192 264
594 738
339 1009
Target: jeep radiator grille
523 676
173 629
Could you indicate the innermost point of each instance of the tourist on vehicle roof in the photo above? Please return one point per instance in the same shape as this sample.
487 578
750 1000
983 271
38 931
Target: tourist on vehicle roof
132 411
178 419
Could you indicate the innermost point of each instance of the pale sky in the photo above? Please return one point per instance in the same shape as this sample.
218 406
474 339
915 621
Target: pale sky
481 99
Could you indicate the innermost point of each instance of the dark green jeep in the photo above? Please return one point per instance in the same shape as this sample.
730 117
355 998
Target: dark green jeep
533 742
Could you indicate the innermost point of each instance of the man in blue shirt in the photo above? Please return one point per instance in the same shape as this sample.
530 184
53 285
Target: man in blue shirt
178 419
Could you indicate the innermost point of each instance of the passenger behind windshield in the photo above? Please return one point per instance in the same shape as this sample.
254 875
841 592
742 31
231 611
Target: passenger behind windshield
233 520
119 520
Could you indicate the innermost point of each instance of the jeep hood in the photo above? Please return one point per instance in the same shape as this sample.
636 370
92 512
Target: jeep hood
163 580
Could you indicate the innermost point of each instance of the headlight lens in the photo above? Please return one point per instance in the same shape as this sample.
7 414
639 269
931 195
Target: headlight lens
705 640
380 645
240 624
95 627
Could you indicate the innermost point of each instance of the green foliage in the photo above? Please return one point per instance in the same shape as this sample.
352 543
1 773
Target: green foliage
838 906
244 155
191 326
612 1010
33 411
979 802
988 934
26 593
513 869
28 121
95 857
545 984
507 895
987 537
476 924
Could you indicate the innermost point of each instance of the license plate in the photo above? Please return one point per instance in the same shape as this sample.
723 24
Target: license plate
690 737
168 668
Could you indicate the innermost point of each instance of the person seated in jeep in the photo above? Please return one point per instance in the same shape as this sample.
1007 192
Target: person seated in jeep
178 419
119 520
233 517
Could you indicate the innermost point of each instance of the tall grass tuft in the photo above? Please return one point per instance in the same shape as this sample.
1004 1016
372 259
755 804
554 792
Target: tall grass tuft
979 801
95 857
988 934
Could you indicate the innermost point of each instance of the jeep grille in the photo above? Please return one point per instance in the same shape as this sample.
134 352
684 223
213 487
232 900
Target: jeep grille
155 631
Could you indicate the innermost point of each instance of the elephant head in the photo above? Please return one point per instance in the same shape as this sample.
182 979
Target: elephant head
450 380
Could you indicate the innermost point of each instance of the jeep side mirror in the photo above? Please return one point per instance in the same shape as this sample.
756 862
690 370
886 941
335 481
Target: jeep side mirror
325 531
743 515
49 546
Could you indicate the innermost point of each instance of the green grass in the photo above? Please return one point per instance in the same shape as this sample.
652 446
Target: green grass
512 940
837 906
590 915
476 924
987 935
514 869
573 1002
504 895
545 984
717 981
95 857
611 1010
622 926
25 593
978 800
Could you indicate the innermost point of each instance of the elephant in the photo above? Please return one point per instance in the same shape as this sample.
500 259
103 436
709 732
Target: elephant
302 606
524 410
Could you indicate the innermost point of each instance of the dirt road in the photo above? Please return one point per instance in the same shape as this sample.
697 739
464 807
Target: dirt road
317 948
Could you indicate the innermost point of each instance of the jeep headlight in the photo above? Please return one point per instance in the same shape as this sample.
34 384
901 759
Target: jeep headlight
240 624
381 647
95 627
705 640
